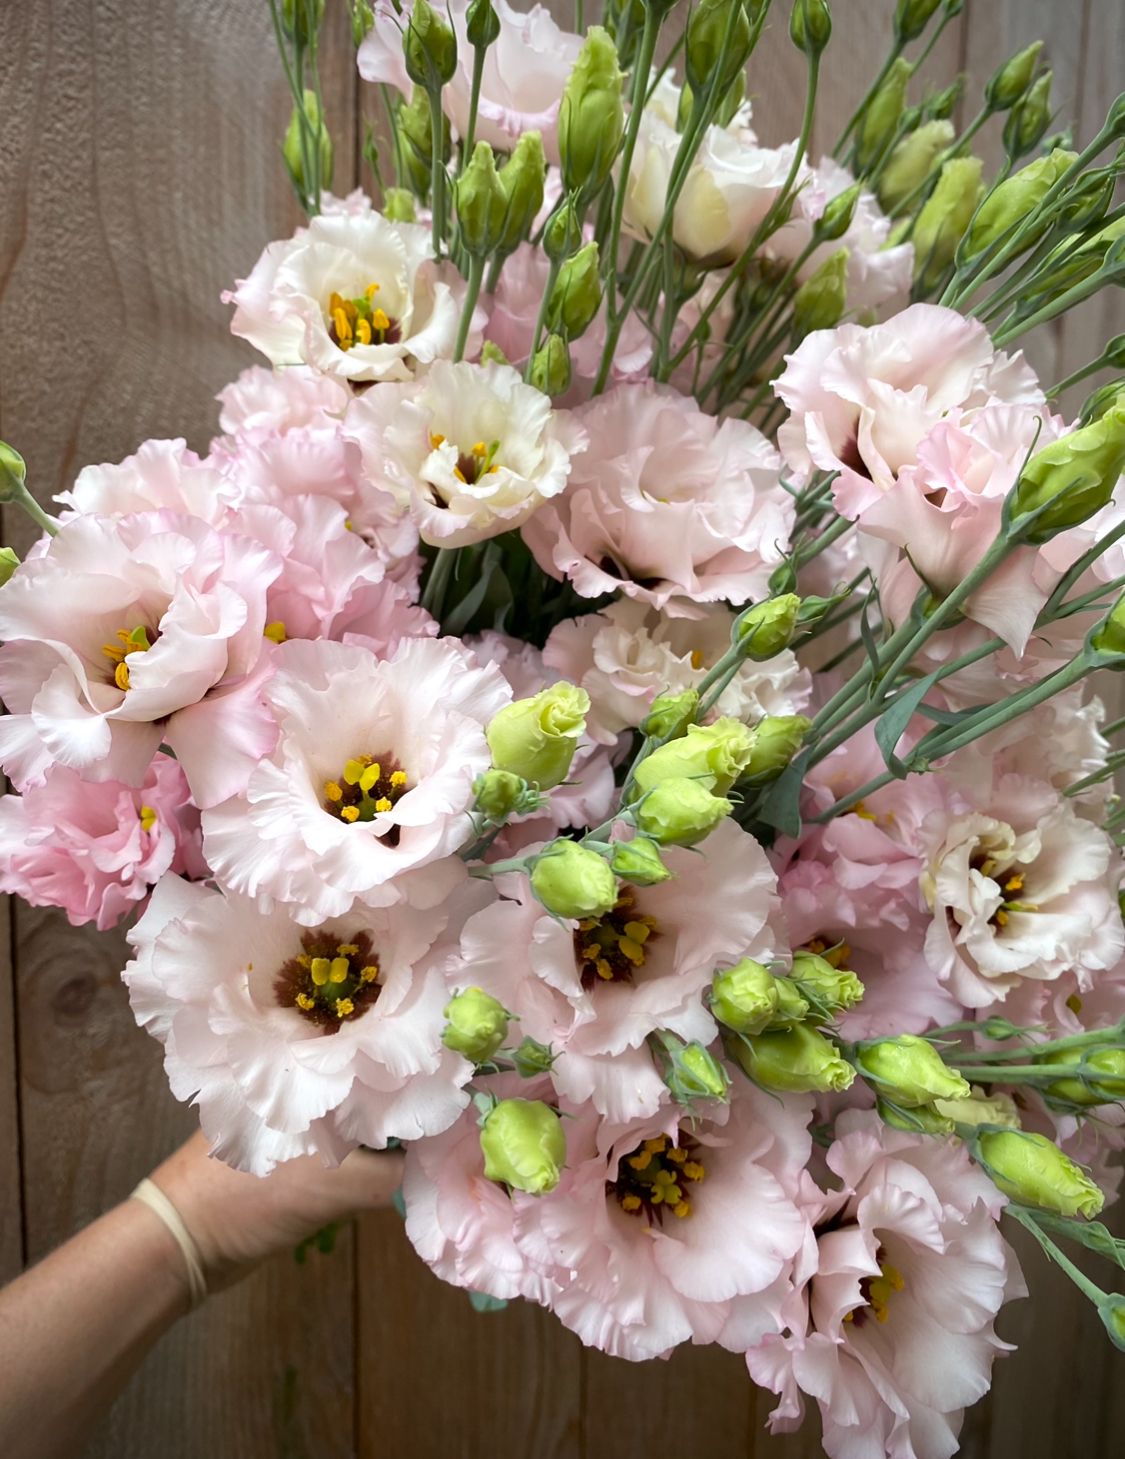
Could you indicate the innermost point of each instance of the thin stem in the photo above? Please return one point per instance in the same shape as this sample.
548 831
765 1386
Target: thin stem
479 53
857 115
544 303
19 496
437 173
472 293
437 584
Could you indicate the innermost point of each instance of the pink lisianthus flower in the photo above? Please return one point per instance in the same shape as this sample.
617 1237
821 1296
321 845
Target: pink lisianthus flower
96 850
461 1224
717 908
132 631
525 71
892 1333
161 475
646 1236
277 402
514 311
668 505
629 653
470 450
286 307
860 399
371 779
297 1041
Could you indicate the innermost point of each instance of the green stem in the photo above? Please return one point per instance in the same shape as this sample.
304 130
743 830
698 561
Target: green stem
472 293
18 495
479 53
857 115
1060 304
437 583
437 173
544 302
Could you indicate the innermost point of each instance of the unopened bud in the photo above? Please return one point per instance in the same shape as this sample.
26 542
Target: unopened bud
798 1060
834 989
1013 201
592 115
492 354
1099 401
941 106
475 1025
777 738
909 1070
810 26
363 18
838 213
398 205
912 161
13 473
981 1109
1027 122
9 561
550 366
481 203
690 1071
820 301
1072 478
300 19
749 999
718 39
521 179
563 234
536 738
1111 1310
764 629
638 861
316 142
524 1145
572 881
1009 82
1103 1080
912 17
1031 1169
670 714
498 793
944 217
680 812
429 46
577 294
532 1058
714 755
881 118
482 24
922 1120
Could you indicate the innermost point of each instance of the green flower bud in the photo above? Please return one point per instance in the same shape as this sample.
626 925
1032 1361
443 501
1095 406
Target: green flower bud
524 1145
415 130
319 142
13 473
1111 1310
718 40
300 19
942 105
492 354
1095 1089
638 861
563 234
798 1060
834 989
881 118
1031 1169
838 213
912 17
550 366
9 561
398 205
430 47
475 1025
572 881
922 1120
777 738
690 1071
1072 478
521 179
1109 636
912 161
766 628
532 1058
909 1070
363 18
715 755
481 203
592 115
744 998
981 1108
577 294
1015 199
498 793
810 26
536 738
482 24
1009 82
670 714
680 812
1027 122
944 217
820 301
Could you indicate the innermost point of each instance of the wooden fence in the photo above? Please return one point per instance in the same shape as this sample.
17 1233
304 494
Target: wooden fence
140 174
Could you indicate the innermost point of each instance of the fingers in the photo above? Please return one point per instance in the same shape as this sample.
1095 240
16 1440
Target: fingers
368 1179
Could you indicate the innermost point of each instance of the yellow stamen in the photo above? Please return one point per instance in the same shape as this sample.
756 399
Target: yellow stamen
305 1002
113 651
121 675
436 441
694 1171
591 952
641 1160
370 292
677 1156
398 778
630 1203
637 931
344 1007
380 321
479 449
353 771
319 970
368 974
304 961
860 810
383 804
349 813
697 658
343 328
459 474
1074 1003
347 949
275 631
1014 883
631 950
682 1209
370 778
603 969
657 1145
332 791
1001 918
338 969
363 331
148 818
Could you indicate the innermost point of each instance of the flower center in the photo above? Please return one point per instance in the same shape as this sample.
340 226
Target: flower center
1010 883
837 954
360 321
130 641
610 949
479 460
329 982
367 788
657 1178
876 1292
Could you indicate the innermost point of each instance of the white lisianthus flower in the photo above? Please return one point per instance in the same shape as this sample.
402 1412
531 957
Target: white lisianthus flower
353 295
470 449
298 1041
366 796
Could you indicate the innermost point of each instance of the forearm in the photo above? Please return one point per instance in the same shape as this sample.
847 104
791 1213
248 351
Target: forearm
74 1328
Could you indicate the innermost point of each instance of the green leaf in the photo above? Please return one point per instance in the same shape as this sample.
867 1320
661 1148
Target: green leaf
482 1302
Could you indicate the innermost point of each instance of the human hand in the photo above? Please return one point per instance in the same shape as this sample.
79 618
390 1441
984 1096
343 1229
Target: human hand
238 1220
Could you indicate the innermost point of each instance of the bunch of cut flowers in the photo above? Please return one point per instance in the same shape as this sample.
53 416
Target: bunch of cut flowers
615 710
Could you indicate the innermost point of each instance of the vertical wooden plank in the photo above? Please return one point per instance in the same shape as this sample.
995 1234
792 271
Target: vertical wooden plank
437 1380
11 1207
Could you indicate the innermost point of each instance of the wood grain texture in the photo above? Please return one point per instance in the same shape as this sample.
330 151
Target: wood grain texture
139 176
11 1208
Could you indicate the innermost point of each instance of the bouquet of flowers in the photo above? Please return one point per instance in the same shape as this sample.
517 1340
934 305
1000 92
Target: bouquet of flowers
610 711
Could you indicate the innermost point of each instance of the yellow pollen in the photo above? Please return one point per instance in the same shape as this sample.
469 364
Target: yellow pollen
349 813
860 810
370 292
380 321
694 1171
332 791
459 474
603 969
368 974
383 804
398 778
657 1145
880 1290
338 969
275 632
304 961
363 330
343 328
344 1006
318 971
305 1002
347 949
637 931
641 1161
1014 883
631 1203
677 1156
479 449
682 1209
1001 918
436 441
1074 1003
121 675
148 818
631 950
591 952
988 866
697 658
